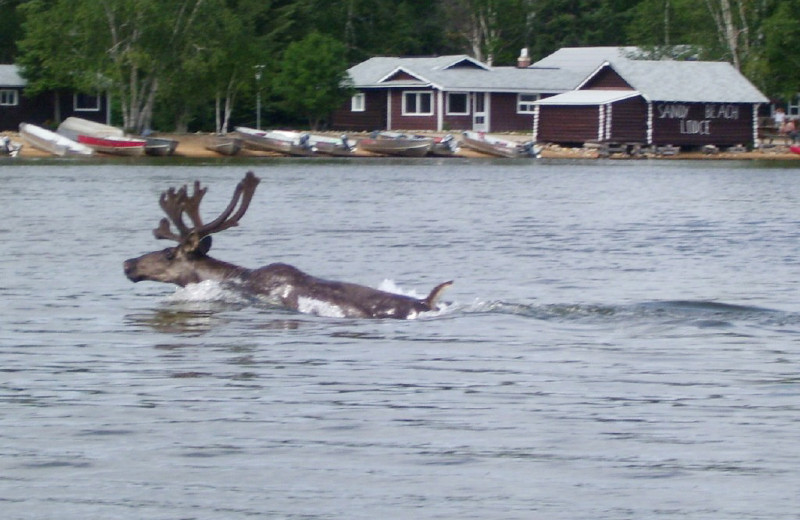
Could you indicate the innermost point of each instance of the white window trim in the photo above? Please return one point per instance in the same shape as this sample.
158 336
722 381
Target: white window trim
467 104
358 103
9 97
76 108
531 108
419 94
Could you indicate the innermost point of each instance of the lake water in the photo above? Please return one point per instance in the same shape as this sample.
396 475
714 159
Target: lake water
622 341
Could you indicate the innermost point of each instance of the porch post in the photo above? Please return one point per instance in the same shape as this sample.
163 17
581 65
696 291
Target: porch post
755 124
389 109
439 110
108 107
601 120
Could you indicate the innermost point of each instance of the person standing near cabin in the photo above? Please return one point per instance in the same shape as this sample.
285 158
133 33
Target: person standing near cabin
779 117
789 129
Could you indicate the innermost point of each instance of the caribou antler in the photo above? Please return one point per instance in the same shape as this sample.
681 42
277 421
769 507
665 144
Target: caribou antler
177 203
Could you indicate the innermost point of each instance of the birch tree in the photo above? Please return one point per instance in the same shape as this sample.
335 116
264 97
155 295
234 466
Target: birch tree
477 23
732 27
128 47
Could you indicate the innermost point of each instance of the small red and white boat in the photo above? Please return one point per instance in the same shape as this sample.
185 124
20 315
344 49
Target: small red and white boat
116 145
795 148
101 138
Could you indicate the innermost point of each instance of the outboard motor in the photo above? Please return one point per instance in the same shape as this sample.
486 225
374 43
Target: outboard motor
305 141
529 148
451 142
9 148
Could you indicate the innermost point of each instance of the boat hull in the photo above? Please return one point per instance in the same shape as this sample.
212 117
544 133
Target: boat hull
128 146
160 146
400 147
72 127
224 144
498 147
340 147
51 142
273 142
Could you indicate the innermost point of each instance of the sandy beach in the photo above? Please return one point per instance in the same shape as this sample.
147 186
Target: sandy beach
193 146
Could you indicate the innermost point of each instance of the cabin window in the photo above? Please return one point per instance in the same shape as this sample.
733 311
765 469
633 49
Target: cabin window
86 103
9 98
525 103
457 104
417 103
358 103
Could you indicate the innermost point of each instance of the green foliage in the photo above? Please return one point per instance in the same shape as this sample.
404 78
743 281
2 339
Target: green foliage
668 23
576 23
313 76
179 59
10 29
376 27
781 40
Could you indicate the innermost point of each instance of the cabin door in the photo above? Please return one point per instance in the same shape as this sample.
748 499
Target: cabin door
480 115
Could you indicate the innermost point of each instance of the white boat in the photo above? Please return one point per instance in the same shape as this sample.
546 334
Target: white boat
100 137
72 127
51 142
160 146
497 146
392 143
322 144
290 143
223 144
327 145
115 145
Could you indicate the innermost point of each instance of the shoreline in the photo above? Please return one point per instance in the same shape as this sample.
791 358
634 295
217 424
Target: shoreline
193 146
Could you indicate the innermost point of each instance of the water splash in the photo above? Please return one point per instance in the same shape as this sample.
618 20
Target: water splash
206 291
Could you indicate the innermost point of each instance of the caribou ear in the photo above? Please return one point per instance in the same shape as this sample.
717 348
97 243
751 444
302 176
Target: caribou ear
205 245
196 246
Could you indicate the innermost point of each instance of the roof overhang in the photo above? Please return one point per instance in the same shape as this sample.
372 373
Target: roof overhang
475 89
388 78
589 97
10 77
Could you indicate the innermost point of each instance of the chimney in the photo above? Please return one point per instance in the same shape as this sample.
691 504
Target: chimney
524 61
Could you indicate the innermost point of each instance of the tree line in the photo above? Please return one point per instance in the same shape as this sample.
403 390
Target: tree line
201 64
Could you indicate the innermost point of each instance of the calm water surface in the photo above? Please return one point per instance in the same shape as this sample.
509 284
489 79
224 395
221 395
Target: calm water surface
623 341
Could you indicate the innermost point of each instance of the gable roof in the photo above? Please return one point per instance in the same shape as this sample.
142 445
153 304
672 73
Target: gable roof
584 60
566 69
456 73
686 81
9 77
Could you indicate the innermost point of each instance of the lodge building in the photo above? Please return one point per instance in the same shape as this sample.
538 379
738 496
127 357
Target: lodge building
573 96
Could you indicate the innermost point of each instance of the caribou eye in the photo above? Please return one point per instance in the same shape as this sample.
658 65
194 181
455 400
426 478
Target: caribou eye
170 253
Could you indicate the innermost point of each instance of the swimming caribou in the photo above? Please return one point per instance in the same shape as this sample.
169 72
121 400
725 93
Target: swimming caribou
188 263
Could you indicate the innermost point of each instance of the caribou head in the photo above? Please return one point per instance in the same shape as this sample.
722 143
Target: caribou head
188 262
